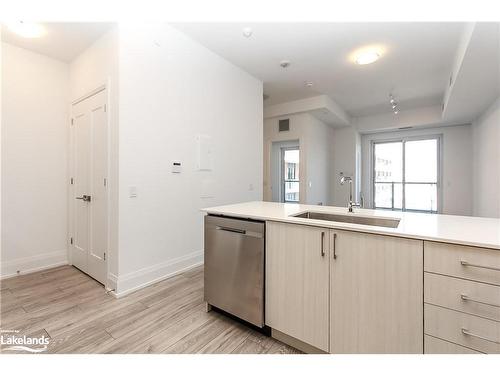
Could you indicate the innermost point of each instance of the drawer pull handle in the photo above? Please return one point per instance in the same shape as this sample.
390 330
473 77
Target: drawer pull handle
467 264
467 298
467 333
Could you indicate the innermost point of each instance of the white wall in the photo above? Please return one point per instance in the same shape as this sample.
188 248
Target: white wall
345 159
486 166
314 141
34 160
456 165
171 90
93 68
319 162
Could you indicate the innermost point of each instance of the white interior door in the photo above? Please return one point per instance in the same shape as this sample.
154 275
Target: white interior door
89 193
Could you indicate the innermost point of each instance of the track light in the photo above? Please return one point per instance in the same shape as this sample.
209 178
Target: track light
394 104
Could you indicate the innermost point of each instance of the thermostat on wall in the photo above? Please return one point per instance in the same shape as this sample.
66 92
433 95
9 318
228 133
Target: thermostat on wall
176 167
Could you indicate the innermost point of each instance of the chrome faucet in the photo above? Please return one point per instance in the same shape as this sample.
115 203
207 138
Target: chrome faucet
350 204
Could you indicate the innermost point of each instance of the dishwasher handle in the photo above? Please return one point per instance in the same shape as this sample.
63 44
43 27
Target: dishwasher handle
235 227
234 230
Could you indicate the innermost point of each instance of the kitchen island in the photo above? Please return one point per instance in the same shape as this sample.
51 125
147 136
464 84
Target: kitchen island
411 283
463 230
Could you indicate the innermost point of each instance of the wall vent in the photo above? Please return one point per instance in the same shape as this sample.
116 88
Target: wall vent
284 125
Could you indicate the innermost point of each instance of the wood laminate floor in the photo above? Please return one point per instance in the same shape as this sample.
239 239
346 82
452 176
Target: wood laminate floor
167 317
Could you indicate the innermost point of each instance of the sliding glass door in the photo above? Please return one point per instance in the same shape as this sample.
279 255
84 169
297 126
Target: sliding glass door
406 174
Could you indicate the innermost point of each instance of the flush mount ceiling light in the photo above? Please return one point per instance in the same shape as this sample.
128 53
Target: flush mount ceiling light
367 58
308 84
27 29
367 55
247 32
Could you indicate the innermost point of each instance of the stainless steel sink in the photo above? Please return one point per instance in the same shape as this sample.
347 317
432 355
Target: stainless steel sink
375 221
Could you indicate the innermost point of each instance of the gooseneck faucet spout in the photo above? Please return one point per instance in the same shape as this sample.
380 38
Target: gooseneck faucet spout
350 203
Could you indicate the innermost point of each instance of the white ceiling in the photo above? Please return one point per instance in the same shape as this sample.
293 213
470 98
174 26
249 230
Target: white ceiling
415 66
63 41
476 82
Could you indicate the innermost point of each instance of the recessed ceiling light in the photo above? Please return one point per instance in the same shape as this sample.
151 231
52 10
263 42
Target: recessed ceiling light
367 57
308 84
247 32
27 29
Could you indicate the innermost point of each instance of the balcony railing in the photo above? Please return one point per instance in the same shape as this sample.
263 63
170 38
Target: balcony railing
406 196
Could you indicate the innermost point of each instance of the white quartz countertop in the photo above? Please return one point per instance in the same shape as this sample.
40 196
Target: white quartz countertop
464 230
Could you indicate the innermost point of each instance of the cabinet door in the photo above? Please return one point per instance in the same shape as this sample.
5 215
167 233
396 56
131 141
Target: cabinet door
376 299
297 282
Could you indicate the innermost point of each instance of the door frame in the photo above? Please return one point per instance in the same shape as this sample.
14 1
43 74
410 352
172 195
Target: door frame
71 172
404 139
275 168
282 183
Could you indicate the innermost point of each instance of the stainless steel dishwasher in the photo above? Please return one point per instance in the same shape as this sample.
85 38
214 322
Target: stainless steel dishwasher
234 267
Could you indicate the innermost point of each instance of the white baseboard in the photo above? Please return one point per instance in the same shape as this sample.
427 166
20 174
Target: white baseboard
112 282
136 280
32 264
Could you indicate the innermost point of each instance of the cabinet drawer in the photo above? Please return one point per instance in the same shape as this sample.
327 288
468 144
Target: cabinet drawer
463 329
472 263
463 295
434 345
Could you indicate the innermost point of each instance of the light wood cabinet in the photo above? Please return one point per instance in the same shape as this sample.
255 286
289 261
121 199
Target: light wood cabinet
467 330
462 296
434 345
376 303
297 282
344 292
466 296
351 292
465 262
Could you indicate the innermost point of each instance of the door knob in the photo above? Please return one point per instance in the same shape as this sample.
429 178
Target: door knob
85 198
